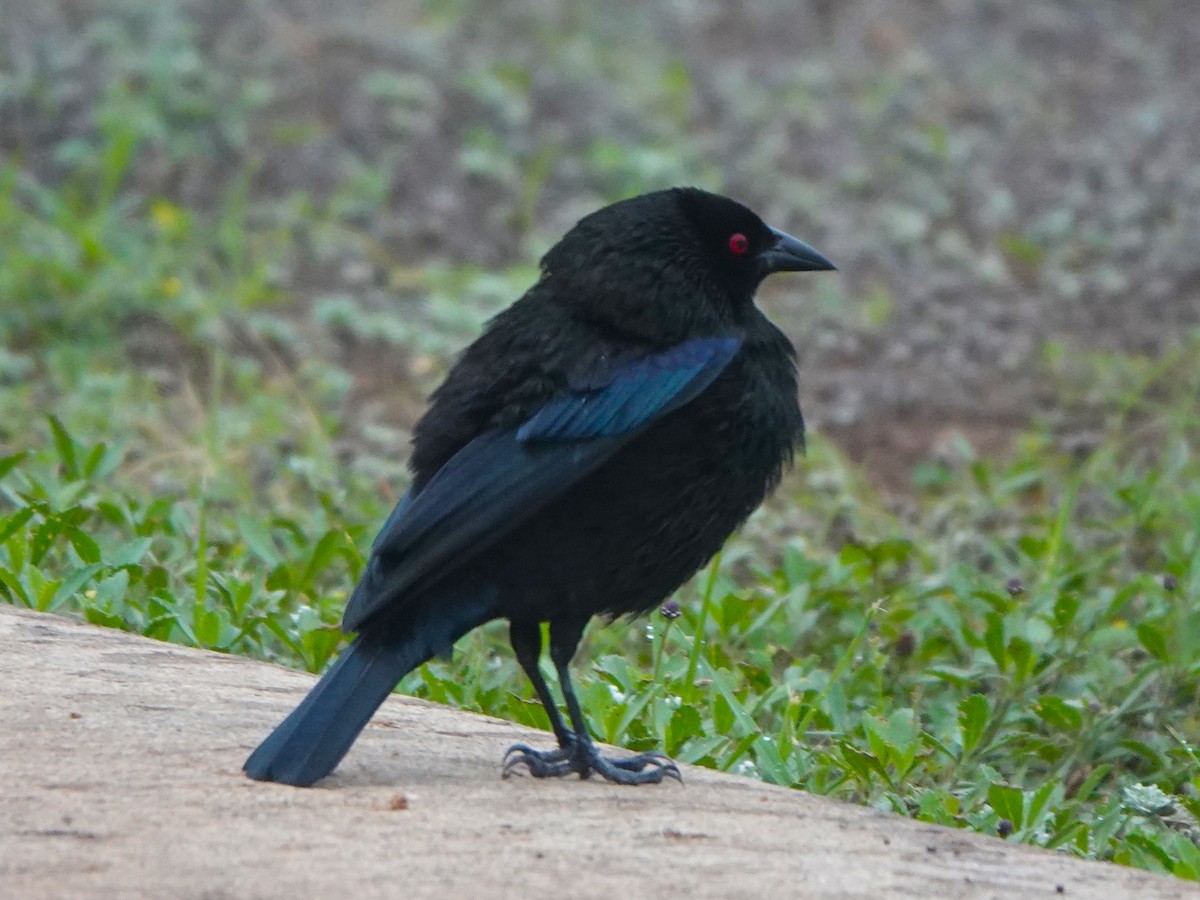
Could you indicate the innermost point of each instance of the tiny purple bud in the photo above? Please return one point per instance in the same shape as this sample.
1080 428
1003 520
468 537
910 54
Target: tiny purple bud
1015 586
906 643
1004 828
1169 582
670 610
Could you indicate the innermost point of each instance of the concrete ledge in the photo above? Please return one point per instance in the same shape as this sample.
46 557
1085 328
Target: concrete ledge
120 760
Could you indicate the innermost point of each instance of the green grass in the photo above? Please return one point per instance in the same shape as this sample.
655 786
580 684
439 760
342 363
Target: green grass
183 455
1021 657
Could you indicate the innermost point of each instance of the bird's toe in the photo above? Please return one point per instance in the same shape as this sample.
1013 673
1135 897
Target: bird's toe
645 768
540 763
642 760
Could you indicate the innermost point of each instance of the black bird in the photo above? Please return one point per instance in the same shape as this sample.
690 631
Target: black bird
588 453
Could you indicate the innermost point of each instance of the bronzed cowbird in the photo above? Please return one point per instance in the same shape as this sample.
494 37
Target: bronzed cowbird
591 450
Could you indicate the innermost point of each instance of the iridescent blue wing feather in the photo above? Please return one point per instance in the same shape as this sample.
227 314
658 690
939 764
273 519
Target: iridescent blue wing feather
504 476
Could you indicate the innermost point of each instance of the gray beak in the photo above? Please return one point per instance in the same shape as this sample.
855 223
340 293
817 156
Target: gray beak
792 255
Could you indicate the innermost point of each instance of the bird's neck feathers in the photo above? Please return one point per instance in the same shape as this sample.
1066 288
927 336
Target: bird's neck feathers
660 310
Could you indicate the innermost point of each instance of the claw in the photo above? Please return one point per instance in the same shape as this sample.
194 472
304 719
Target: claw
523 749
583 759
639 762
541 763
535 760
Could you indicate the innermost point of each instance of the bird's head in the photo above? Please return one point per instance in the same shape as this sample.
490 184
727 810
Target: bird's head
672 263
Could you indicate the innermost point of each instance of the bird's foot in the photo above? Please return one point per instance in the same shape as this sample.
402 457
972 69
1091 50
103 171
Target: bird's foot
584 759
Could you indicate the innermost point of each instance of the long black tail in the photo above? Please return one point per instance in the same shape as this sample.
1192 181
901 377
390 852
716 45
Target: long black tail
309 743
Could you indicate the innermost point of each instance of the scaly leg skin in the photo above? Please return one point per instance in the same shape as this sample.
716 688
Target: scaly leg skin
526 640
575 752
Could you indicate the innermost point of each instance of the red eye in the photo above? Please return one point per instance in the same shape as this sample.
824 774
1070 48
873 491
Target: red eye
738 243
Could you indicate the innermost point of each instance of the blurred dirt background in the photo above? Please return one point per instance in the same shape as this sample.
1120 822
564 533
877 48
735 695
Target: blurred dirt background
1006 188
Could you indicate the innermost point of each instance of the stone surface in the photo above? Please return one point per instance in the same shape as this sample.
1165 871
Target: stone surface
120 777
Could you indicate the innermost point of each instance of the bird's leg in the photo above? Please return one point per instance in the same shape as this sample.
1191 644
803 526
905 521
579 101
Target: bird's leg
642 768
526 640
582 756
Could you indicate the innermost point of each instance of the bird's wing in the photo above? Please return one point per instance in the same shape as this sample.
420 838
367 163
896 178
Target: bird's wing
504 476
632 394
